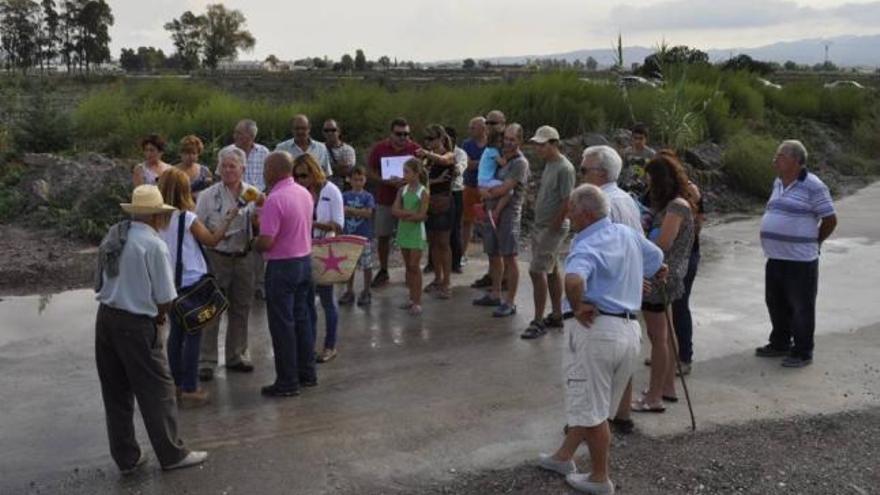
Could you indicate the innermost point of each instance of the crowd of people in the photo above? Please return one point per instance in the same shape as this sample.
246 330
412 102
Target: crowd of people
634 214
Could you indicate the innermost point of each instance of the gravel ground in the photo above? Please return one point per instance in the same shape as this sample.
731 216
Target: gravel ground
834 454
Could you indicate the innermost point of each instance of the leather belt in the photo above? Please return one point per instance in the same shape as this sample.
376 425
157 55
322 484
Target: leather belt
626 315
231 255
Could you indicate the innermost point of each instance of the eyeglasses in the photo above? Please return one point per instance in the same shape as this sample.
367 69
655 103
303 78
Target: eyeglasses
584 170
489 122
302 176
401 134
328 131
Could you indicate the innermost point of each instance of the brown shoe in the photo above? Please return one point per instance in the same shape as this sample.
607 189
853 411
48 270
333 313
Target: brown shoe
194 399
326 355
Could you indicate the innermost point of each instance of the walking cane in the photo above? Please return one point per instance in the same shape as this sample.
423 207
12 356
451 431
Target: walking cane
674 339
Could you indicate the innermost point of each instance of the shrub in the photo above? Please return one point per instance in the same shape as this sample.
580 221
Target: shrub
747 163
42 128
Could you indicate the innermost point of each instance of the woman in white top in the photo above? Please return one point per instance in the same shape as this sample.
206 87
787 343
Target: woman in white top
329 217
153 167
183 347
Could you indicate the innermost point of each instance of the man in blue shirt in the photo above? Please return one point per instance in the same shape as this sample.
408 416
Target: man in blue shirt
604 276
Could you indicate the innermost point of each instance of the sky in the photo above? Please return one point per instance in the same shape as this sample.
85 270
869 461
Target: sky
431 30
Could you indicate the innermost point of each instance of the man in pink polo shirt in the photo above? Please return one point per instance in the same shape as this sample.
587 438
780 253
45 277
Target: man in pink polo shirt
286 243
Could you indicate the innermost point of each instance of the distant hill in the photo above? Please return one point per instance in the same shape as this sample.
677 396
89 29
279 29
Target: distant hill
847 51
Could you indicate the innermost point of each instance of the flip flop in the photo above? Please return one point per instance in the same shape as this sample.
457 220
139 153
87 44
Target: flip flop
643 407
666 398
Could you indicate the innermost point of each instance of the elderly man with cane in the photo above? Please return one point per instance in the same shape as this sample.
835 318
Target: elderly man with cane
604 276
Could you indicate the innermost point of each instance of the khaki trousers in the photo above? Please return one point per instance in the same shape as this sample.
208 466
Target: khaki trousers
236 277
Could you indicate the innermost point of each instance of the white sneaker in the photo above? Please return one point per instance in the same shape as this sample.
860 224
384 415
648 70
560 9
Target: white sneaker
546 461
464 261
194 458
582 483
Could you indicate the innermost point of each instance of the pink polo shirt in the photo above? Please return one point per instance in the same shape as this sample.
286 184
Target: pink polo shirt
287 218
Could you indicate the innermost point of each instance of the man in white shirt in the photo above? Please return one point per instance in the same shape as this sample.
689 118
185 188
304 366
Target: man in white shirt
244 138
302 142
601 167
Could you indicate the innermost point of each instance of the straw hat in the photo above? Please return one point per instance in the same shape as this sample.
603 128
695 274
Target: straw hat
146 200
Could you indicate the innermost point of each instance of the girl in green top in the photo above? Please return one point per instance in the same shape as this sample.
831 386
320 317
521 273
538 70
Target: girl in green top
411 209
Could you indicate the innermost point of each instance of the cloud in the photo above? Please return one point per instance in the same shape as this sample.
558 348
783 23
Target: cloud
737 14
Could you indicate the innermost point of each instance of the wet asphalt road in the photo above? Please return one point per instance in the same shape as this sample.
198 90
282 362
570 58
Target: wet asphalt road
411 401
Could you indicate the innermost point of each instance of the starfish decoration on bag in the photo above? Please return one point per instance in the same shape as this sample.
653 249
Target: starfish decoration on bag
331 261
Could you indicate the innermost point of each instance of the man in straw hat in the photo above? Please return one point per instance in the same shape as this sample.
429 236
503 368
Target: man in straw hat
135 287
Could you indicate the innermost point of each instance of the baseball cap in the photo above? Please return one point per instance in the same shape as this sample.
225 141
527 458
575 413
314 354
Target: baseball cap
545 133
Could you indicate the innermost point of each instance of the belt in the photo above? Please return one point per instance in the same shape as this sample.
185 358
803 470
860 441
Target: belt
626 315
231 255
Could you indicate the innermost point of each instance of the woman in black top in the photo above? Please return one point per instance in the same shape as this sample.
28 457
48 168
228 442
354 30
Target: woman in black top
440 161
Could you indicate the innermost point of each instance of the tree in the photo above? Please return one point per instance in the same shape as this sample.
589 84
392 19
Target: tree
790 65
272 61
145 59
129 61
747 63
469 64
384 61
19 33
592 64
49 34
187 34
347 63
360 60
95 20
224 35
677 55
69 31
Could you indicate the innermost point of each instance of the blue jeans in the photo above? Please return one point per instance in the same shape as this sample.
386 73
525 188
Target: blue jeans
289 293
681 312
331 314
183 357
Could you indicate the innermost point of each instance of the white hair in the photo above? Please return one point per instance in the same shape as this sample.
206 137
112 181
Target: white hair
233 152
588 198
609 160
796 149
250 126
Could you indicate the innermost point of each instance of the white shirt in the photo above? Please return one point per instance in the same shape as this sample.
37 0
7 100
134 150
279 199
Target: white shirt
461 163
194 266
145 278
330 208
316 148
622 207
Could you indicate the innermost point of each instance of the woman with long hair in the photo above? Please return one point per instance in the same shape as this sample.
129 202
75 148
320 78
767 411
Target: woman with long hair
439 159
183 347
672 229
329 218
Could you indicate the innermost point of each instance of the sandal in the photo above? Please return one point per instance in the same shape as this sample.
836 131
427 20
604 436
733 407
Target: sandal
666 398
443 293
433 286
641 406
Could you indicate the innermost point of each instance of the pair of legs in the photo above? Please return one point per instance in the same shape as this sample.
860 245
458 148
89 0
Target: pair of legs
504 268
412 259
327 296
790 293
544 283
235 275
441 257
470 197
289 294
455 244
663 356
681 312
183 357
368 276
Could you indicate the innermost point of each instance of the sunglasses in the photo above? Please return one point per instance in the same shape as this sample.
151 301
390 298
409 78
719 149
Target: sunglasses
328 131
401 134
431 138
302 176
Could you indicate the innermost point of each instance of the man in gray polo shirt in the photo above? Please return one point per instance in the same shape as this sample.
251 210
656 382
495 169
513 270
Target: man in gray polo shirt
135 287
302 142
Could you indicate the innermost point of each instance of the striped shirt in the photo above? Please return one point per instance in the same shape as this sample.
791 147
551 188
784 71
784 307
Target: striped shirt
253 170
316 148
790 227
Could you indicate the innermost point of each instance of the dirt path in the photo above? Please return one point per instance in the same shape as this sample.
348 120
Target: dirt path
42 261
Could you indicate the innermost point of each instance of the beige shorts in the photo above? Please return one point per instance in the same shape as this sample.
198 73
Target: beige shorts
546 245
597 364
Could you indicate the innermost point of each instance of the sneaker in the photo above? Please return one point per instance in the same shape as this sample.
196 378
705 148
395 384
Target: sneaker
536 329
796 362
197 398
685 370
582 483
504 310
553 321
428 269
483 282
770 351
380 279
622 426
206 374
546 461
487 300
326 355
274 391
364 299
241 367
346 298
142 459
464 261
194 458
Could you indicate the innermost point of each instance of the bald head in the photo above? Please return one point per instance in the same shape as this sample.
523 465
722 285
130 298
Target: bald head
301 128
278 166
496 119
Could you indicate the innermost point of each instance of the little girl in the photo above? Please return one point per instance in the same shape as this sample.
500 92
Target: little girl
411 208
490 160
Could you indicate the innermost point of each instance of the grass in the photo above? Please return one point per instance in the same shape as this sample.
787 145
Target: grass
747 163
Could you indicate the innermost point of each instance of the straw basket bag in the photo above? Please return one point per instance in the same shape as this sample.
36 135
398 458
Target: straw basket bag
334 259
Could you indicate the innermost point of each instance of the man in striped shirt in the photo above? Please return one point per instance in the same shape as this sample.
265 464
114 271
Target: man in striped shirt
799 216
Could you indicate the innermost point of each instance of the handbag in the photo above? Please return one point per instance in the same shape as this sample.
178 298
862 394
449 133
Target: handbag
334 259
201 303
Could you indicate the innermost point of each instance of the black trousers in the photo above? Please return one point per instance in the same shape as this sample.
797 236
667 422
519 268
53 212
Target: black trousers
790 292
455 234
132 365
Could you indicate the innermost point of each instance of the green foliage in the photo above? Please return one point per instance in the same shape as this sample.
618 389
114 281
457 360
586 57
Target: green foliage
42 128
747 161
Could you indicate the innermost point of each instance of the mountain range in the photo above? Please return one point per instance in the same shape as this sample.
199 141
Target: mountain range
844 51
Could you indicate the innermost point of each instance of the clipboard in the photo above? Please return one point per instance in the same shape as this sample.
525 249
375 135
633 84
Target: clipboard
392 166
